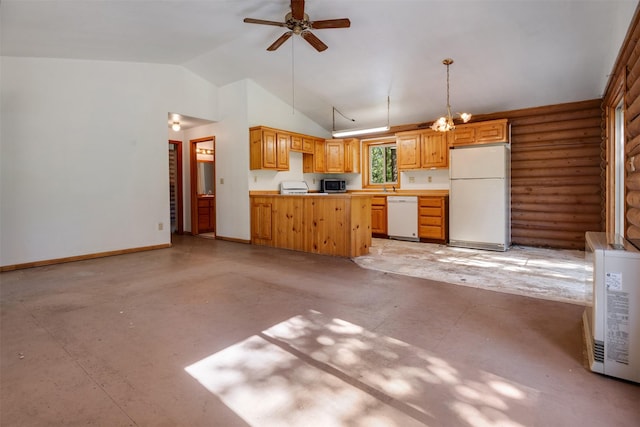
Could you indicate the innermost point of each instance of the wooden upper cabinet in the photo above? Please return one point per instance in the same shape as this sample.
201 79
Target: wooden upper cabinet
307 145
352 155
296 143
334 150
434 149
319 156
488 132
263 149
282 157
408 150
301 143
425 149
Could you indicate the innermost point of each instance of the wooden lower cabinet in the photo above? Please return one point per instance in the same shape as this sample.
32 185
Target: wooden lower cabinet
379 215
433 212
337 225
206 214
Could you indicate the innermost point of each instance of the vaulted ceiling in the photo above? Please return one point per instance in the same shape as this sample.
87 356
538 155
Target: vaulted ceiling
508 54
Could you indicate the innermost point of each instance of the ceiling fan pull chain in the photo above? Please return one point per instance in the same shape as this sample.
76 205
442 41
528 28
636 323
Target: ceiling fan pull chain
293 75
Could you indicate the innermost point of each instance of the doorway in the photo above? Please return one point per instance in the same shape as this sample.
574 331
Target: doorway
203 183
175 187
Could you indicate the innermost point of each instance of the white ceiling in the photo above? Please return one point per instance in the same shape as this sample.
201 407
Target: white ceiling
508 54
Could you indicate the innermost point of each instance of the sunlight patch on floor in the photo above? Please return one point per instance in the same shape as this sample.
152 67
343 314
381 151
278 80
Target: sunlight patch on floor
312 370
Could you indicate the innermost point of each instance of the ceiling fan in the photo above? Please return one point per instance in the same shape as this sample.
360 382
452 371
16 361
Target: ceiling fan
298 23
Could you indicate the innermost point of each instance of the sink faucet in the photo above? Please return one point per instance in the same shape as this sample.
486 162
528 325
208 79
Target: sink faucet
394 188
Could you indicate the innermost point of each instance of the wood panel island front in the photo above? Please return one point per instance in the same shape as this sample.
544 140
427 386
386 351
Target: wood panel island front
329 224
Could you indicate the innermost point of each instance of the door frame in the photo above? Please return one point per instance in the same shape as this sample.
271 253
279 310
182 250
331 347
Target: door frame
179 190
193 163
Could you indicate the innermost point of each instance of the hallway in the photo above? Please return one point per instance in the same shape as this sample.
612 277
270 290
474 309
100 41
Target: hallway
214 333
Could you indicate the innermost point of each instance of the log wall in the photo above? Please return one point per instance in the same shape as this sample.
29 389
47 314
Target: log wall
624 83
557 175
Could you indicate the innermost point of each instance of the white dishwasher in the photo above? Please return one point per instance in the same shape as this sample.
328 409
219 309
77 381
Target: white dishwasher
402 217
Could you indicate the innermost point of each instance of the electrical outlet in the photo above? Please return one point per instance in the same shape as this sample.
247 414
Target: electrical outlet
412 179
429 179
255 178
221 180
160 226
314 180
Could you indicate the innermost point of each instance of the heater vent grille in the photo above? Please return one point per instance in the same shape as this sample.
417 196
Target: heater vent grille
598 351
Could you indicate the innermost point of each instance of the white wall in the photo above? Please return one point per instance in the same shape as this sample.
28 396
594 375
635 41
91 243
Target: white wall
84 156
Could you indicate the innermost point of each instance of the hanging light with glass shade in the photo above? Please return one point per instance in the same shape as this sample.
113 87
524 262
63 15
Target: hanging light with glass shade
445 123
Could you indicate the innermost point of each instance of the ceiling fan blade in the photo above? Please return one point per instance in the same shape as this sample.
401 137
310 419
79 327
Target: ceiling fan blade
283 38
297 9
263 22
313 41
331 23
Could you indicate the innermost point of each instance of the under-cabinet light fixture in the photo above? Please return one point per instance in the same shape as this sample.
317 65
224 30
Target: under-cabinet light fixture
354 132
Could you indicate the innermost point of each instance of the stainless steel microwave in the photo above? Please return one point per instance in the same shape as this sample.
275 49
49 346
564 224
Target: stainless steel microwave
333 185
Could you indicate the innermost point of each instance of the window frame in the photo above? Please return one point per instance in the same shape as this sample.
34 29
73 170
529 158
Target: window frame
366 165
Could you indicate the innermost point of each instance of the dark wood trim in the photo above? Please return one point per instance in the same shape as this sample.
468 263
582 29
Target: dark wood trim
180 192
232 239
81 257
194 177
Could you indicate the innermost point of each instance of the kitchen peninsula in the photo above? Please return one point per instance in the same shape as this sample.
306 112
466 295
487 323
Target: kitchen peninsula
329 224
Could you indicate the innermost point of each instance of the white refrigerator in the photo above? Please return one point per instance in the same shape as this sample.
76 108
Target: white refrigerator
479 197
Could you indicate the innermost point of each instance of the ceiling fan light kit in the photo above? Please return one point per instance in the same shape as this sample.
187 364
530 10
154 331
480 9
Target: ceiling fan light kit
445 123
299 23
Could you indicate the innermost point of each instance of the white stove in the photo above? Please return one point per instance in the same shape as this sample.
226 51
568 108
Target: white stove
294 187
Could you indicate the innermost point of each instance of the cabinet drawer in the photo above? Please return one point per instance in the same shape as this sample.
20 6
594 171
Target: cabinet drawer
430 212
430 201
430 232
430 220
379 200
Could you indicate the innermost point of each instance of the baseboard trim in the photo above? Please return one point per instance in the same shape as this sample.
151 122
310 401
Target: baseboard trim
81 257
233 239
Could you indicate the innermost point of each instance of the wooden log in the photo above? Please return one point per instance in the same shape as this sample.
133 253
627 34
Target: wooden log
514 115
633 216
555 217
633 199
522 180
633 232
632 127
632 146
632 181
549 243
632 110
534 152
546 225
548 234
633 89
576 124
555 163
564 199
574 135
584 171
557 208
565 116
557 190
632 164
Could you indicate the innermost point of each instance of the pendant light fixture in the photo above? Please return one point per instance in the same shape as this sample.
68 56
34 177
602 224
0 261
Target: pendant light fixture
175 126
445 123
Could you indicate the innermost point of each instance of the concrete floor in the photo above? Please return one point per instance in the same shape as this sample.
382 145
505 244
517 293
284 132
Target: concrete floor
213 333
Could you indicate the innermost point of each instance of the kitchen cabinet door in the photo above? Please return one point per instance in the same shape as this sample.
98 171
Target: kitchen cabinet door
352 155
408 149
435 150
334 150
319 157
379 215
282 146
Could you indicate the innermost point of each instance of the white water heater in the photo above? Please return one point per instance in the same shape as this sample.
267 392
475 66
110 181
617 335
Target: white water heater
612 324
